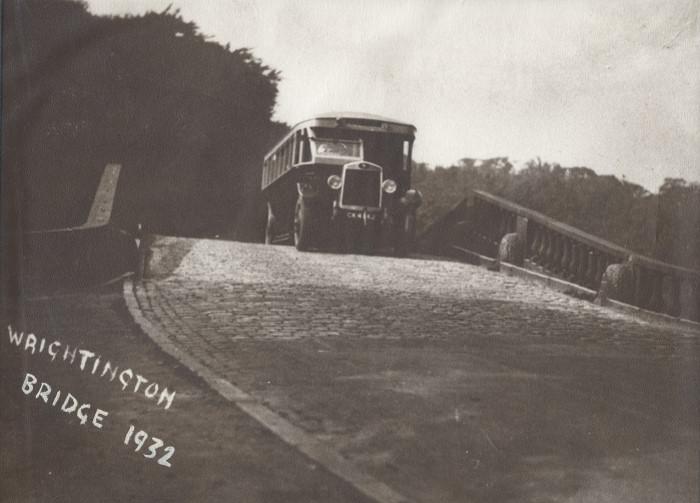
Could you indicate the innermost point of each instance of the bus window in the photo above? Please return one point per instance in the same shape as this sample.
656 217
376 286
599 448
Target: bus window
305 147
295 148
337 148
406 155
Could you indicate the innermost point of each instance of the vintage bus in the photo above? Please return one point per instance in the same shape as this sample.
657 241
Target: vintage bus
342 181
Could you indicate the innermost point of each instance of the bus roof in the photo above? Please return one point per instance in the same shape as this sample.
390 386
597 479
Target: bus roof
350 120
338 117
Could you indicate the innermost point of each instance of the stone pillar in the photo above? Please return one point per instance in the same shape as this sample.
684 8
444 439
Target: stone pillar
511 249
617 283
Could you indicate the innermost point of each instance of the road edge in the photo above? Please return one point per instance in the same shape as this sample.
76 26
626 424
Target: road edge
313 448
563 286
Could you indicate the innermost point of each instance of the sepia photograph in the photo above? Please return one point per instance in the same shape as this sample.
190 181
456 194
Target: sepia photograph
381 251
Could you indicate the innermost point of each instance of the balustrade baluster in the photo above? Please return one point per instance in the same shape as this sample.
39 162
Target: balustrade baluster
478 220
556 253
552 252
687 298
481 228
502 224
549 250
541 252
543 248
536 243
601 264
530 237
640 285
656 285
503 227
590 269
573 262
578 267
492 229
653 283
565 257
675 304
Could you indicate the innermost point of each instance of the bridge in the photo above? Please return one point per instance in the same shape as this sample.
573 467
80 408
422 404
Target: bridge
434 378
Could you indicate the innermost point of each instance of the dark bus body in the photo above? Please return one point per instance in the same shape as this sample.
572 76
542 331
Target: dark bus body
342 181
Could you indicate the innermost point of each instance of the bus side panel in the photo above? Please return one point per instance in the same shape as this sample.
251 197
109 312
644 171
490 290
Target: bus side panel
282 193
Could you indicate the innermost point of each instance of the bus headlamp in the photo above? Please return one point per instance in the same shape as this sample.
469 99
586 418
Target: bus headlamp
389 186
334 182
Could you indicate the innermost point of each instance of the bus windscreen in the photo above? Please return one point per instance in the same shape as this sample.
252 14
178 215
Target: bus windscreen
337 148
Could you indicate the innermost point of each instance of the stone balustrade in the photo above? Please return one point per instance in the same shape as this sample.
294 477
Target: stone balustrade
494 227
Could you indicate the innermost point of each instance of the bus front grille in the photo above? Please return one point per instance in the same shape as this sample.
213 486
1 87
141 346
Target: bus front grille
361 188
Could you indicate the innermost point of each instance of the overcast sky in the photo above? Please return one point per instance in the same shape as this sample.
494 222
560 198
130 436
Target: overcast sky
614 86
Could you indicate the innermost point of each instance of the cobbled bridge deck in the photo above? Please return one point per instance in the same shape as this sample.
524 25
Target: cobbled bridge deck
434 380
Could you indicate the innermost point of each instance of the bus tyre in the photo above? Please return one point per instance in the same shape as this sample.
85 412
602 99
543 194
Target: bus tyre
303 225
406 236
270 226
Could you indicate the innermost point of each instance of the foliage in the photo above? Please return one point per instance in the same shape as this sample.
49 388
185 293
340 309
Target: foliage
665 225
186 117
679 222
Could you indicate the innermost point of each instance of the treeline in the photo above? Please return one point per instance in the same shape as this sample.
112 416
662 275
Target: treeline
665 225
188 118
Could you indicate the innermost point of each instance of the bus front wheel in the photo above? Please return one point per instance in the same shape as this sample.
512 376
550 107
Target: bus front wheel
406 236
303 225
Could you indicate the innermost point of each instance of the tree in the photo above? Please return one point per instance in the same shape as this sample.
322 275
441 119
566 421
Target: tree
613 209
188 118
678 232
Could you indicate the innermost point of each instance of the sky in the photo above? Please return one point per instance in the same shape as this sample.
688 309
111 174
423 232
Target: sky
614 86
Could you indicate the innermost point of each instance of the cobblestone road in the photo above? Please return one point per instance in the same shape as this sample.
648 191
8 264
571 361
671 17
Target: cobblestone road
446 381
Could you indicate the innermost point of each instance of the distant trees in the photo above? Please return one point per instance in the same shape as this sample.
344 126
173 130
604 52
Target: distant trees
443 188
678 232
665 225
188 118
